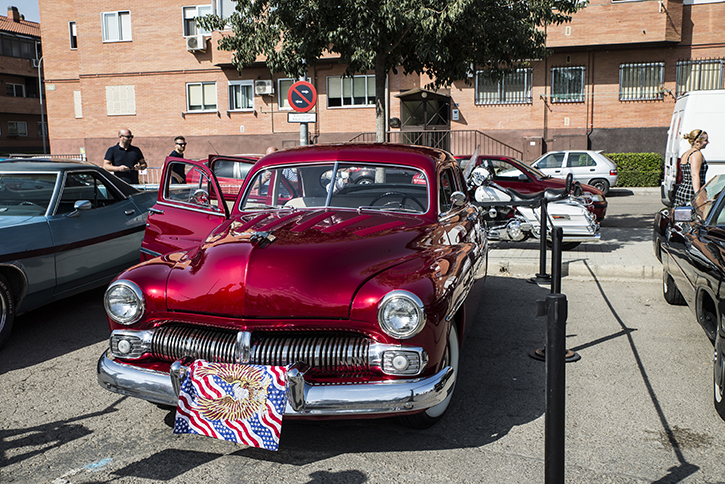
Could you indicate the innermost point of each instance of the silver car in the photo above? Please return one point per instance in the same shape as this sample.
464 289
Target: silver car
589 167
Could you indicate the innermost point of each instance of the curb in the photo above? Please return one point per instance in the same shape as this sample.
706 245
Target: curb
577 268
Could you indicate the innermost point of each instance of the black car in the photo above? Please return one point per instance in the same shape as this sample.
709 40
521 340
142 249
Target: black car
690 243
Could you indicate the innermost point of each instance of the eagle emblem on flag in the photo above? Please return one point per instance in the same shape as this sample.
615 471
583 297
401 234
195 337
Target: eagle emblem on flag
235 402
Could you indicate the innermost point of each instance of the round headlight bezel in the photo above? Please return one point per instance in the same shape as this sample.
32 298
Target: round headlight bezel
136 292
418 309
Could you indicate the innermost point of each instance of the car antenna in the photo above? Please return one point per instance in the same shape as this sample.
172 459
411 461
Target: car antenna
212 147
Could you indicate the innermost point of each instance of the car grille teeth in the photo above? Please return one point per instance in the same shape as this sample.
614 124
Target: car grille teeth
323 353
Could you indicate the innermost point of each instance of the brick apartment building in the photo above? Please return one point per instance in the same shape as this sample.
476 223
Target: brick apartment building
610 84
20 117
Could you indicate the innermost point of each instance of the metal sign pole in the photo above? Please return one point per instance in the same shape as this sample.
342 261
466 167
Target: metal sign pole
303 134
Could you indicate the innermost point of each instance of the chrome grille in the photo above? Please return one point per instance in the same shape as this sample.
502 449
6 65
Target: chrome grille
322 352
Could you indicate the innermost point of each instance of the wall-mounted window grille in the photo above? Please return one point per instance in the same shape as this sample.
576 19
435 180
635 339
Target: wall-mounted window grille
699 75
567 84
513 88
641 82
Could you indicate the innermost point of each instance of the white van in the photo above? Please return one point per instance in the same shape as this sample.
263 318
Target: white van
703 110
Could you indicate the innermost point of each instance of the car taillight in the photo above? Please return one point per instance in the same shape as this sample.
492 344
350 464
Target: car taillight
678 176
613 172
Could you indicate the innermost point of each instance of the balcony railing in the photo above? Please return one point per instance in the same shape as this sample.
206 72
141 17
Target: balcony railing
458 142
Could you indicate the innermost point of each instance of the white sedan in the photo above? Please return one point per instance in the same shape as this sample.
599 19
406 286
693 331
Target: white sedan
589 167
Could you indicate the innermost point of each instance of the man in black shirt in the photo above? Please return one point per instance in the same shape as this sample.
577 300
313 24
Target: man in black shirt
177 169
124 160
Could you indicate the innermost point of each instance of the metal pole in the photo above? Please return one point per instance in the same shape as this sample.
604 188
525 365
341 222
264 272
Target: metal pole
556 305
557 236
542 277
40 89
303 134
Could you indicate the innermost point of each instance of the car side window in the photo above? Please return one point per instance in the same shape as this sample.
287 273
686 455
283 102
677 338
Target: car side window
504 171
85 186
580 159
446 189
197 192
553 160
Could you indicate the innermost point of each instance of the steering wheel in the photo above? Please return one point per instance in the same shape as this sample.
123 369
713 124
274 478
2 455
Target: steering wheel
401 204
569 181
200 197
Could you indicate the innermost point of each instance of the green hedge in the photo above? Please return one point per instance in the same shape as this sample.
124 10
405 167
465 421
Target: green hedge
638 169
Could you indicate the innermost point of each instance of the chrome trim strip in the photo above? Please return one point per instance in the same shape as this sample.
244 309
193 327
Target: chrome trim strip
152 253
393 397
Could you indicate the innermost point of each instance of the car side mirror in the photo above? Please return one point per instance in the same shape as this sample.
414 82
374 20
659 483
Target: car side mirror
683 214
458 199
78 206
523 177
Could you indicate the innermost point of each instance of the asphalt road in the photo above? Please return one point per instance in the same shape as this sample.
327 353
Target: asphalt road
638 404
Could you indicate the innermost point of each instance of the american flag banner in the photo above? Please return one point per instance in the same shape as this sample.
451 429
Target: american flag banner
239 403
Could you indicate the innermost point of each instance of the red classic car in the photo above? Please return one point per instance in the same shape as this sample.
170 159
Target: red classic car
360 287
517 175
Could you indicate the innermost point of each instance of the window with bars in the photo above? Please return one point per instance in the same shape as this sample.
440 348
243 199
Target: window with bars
17 128
201 96
116 26
567 84
699 75
513 88
641 82
350 91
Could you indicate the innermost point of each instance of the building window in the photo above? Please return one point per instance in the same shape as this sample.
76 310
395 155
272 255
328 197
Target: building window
17 128
77 106
699 75
350 91
120 100
641 82
12 46
201 96
15 90
116 26
567 84
73 35
190 14
241 95
513 88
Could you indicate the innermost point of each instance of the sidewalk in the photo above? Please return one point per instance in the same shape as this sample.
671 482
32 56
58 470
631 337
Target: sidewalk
621 253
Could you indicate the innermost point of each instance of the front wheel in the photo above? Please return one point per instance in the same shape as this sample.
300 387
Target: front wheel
7 310
429 417
669 290
718 377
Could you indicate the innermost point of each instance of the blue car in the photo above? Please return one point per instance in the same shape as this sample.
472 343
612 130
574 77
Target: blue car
65 228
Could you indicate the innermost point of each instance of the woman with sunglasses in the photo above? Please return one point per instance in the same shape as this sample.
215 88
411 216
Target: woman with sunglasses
693 166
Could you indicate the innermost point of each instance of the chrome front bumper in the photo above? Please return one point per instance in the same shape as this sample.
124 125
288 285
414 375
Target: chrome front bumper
303 399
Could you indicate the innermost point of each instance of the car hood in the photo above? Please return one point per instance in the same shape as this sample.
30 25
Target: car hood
306 264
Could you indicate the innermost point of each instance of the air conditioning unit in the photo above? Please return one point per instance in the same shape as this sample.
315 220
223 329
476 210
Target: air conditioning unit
196 43
35 62
263 87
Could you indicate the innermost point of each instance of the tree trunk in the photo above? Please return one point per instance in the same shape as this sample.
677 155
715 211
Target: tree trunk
380 76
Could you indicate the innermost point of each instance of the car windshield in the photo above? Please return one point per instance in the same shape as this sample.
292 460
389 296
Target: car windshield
706 197
25 194
358 186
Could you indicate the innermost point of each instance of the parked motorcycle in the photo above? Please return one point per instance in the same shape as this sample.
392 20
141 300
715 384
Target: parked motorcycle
510 215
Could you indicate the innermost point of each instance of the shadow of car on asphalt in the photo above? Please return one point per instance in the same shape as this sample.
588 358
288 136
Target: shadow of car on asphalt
54 330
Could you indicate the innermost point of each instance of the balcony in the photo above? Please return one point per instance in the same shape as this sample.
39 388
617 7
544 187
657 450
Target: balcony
20 105
620 22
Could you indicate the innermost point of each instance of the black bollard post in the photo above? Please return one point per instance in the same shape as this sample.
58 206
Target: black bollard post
542 277
556 307
557 236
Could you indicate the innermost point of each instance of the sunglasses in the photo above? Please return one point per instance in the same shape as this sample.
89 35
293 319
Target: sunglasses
181 144
129 136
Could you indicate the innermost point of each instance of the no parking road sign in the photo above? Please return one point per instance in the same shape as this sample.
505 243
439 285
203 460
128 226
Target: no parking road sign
302 96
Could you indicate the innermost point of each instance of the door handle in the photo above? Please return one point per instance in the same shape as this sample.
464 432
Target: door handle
156 210
130 212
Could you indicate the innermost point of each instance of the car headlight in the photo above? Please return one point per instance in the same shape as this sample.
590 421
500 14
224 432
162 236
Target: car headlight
401 314
597 198
124 302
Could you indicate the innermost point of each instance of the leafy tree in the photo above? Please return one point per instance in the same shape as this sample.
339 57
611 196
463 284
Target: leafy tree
443 39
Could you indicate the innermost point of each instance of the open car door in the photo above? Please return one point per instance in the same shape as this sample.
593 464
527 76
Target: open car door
194 198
